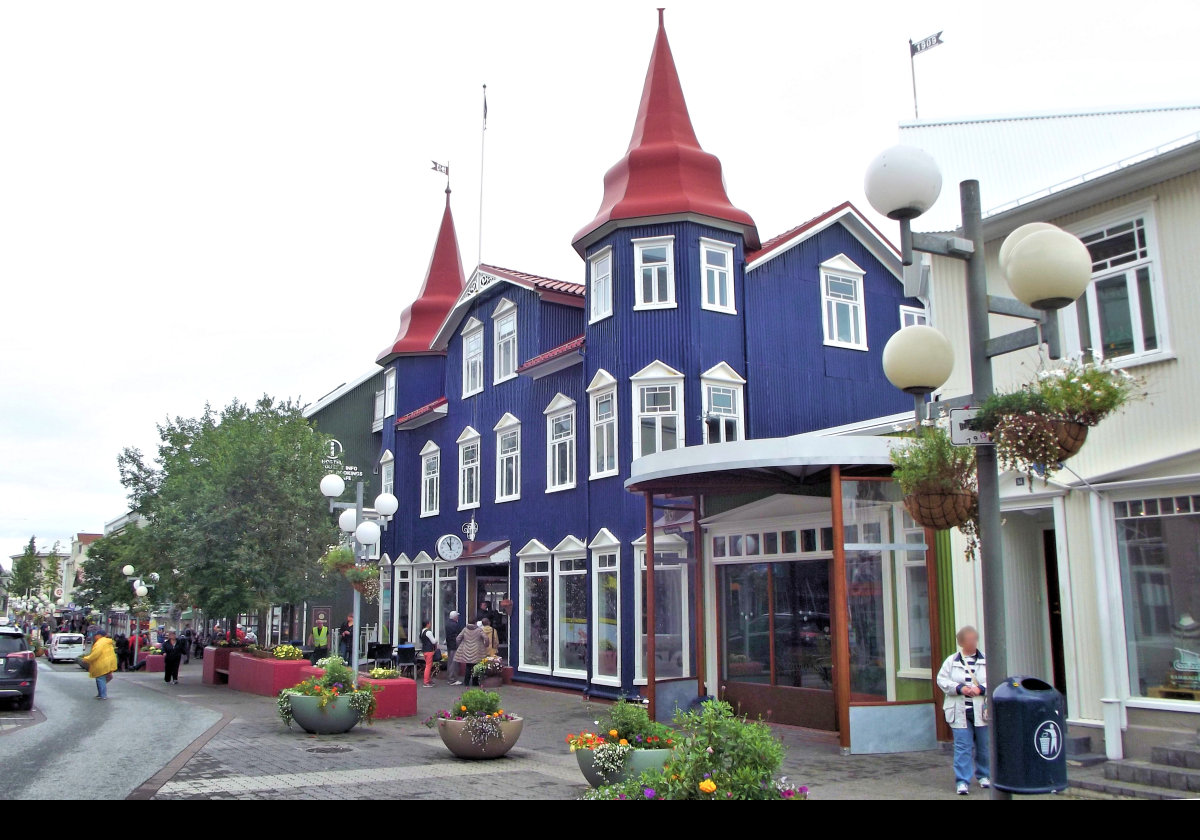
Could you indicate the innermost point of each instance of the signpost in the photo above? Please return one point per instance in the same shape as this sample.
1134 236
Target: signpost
960 433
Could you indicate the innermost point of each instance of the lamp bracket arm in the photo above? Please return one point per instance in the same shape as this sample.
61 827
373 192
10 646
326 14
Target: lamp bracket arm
1013 341
1013 308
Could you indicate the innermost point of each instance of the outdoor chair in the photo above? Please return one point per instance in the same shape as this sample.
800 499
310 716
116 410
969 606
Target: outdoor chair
406 658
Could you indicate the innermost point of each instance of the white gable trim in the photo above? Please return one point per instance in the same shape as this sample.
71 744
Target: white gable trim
534 548
663 542
503 308
561 402
401 558
506 422
722 372
471 325
841 264
572 546
422 557
849 218
468 434
429 448
602 381
604 539
387 457
656 370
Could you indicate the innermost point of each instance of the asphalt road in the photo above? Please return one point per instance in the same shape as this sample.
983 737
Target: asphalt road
91 749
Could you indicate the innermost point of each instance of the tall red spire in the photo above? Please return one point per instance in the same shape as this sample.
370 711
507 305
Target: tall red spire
444 282
665 172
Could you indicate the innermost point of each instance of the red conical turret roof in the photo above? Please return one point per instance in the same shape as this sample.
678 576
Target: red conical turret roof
665 172
444 282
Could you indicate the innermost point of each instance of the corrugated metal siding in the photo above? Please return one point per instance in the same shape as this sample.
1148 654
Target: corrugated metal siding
799 384
1014 158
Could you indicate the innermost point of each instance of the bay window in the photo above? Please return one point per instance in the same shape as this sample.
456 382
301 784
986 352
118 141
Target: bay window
600 289
658 410
723 416
716 267
654 273
389 393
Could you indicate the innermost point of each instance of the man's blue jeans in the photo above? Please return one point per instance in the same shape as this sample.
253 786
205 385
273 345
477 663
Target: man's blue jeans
102 686
970 747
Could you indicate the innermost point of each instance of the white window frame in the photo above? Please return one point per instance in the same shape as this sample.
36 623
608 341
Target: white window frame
377 420
508 425
472 373
431 502
905 526
529 558
605 545
389 393
603 386
657 375
571 550
639 247
725 248
913 316
467 439
843 268
662 545
600 286
1153 262
561 406
505 312
387 470
724 377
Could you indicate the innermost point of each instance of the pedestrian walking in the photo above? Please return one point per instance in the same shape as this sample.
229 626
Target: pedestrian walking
429 649
470 651
318 637
963 679
122 651
453 628
346 637
172 649
101 662
491 640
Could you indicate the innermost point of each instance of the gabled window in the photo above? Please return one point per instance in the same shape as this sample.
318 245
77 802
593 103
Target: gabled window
508 458
654 273
723 411
606 608
387 470
913 316
560 444
602 393
535 607
472 336
842 313
389 393
431 479
505 318
468 469
600 287
1121 316
716 271
657 409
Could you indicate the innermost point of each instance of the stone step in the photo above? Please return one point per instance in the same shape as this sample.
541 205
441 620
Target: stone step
1130 789
1087 759
1155 775
1078 745
1177 755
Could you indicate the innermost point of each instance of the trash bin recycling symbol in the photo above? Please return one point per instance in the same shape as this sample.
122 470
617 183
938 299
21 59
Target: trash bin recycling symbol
1047 740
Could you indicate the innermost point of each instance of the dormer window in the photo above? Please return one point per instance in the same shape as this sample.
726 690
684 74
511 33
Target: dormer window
505 318
842 312
716 268
654 272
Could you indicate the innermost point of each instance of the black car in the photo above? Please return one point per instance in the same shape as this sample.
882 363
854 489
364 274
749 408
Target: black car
18 668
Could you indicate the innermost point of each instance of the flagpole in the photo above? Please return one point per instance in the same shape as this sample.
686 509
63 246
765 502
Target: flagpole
482 147
912 66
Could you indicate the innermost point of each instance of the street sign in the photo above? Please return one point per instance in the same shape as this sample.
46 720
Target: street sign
960 435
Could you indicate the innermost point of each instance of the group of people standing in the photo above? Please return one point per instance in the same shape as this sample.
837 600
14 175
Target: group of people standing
466 645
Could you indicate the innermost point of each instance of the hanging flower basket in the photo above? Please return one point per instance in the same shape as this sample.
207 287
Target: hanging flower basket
1070 437
941 510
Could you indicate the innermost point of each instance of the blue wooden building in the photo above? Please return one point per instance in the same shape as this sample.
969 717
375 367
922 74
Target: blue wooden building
517 404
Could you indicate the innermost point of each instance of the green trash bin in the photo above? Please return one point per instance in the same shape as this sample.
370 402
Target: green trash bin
1031 728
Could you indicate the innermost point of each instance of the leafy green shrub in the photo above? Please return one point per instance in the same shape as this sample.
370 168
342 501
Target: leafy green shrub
479 702
631 721
930 463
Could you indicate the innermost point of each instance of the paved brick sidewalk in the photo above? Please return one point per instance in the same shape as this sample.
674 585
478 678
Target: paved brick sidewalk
254 756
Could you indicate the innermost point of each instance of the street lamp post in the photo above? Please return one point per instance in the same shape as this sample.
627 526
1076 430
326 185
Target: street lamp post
141 588
366 534
1046 268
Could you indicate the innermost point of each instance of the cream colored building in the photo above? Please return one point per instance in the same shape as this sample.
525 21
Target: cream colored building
1103 561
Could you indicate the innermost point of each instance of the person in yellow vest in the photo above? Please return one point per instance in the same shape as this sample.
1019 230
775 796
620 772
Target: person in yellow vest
318 637
101 662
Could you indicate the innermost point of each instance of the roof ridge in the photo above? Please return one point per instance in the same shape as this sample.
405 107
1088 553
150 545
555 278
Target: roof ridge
1050 115
521 273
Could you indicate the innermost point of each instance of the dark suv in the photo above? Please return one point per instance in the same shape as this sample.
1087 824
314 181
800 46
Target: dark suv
18 668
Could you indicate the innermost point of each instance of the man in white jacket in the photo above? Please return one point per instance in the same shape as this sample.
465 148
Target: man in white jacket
963 679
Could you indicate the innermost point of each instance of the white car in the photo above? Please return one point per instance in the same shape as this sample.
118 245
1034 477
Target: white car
65 647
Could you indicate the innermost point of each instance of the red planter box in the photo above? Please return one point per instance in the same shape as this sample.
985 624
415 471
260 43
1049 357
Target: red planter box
312 671
216 665
266 677
155 663
396 698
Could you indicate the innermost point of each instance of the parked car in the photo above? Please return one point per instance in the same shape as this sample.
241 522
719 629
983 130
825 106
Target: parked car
65 647
18 668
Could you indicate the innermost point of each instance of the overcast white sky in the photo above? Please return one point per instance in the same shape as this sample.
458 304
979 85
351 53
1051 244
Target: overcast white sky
213 200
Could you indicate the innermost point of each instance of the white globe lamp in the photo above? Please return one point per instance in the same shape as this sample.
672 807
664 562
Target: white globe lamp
386 504
1048 269
1015 238
918 360
348 521
332 486
903 182
127 570
367 533
141 591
